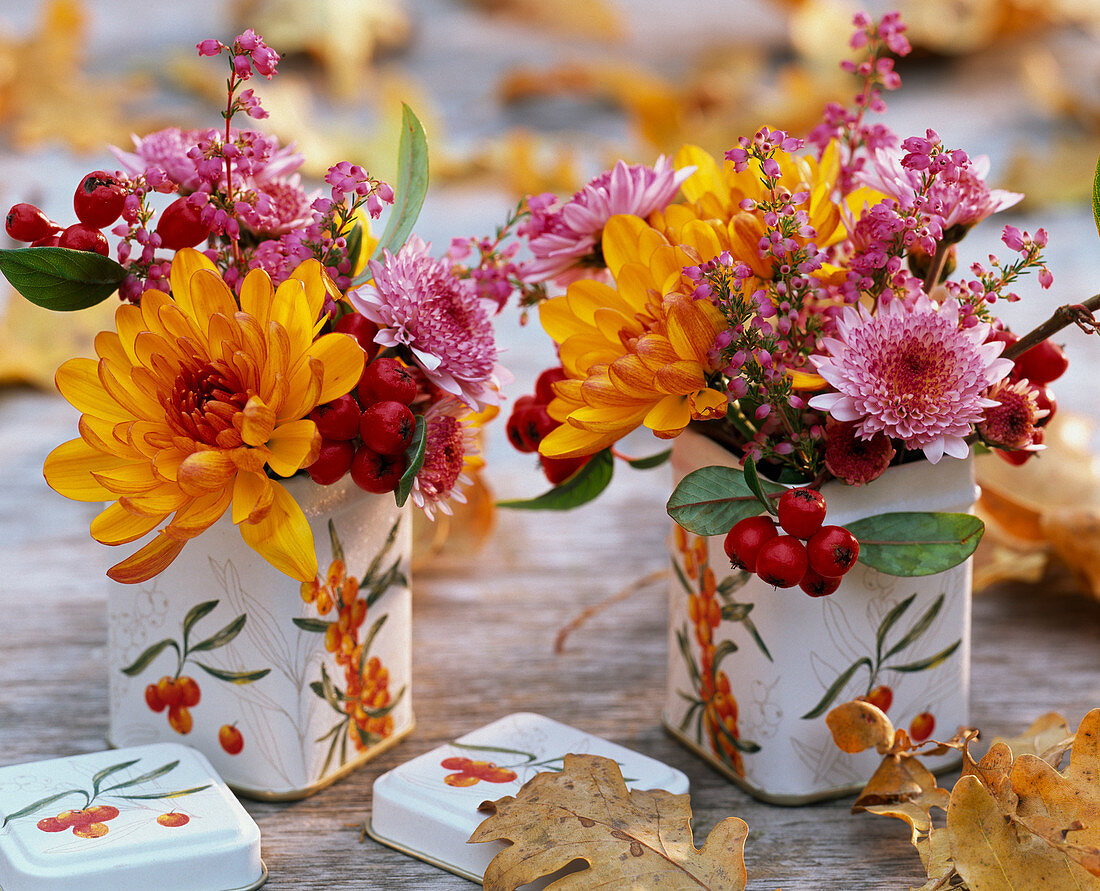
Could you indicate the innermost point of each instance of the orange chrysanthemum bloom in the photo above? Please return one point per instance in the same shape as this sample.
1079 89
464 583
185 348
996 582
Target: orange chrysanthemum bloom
635 353
191 402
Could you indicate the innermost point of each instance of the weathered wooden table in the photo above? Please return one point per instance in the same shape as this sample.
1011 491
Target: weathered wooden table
483 634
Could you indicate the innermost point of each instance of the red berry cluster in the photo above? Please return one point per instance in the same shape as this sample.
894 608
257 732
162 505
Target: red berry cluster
98 203
367 432
469 772
89 822
530 423
810 555
1043 364
179 695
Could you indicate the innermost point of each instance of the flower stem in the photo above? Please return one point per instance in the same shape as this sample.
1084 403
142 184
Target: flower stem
932 276
1080 314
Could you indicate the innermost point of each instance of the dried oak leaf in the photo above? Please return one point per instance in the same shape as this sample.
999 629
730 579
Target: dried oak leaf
1049 737
630 839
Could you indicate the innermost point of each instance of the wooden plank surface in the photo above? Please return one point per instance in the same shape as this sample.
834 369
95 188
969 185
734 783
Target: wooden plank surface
484 630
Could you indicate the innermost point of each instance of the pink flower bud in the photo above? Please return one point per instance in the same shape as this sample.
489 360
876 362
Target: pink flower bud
209 47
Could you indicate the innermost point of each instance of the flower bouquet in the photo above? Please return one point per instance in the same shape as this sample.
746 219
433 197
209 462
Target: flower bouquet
790 317
275 368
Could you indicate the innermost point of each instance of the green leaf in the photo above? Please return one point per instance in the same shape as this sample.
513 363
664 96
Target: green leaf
683 578
888 622
691 712
685 651
107 771
368 576
223 637
334 540
527 756
650 461
41 803
332 748
354 245
742 745
145 777
752 480
732 583
414 456
582 487
318 625
328 689
393 576
918 629
151 796
1096 195
410 188
736 612
930 662
721 651
369 640
834 691
913 543
386 709
234 677
708 501
194 614
60 278
142 662
750 626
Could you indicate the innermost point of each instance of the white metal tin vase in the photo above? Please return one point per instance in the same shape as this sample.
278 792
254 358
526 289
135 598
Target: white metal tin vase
753 669
285 687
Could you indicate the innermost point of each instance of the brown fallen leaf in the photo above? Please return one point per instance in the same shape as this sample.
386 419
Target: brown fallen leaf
590 19
1048 737
630 839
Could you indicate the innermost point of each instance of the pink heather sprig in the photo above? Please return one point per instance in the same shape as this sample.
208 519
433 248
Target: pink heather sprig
989 285
876 69
495 272
144 270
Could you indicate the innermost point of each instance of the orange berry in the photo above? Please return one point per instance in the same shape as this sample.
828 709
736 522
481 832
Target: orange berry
90 830
231 739
179 719
710 583
461 779
169 690
190 694
922 726
332 638
714 613
173 819
694 603
336 573
324 601
152 698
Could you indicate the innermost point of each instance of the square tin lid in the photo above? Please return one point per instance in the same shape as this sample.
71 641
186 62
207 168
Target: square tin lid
125 819
427 807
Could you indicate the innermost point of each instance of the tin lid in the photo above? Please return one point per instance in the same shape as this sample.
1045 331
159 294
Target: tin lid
125 819
427 807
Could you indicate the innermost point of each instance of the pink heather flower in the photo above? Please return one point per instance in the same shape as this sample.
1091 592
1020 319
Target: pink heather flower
564 237
288 207
1011 423
853 459
963 200
910 372
418 302
448 442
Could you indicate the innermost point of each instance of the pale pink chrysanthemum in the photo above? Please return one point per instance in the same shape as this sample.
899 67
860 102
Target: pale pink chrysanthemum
564 237
1012 422
289 206
963 202
448 446
418 302
912 373
853 459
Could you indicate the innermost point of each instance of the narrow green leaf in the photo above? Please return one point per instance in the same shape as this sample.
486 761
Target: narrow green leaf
752 480
332 695
223 637
386 709
708 501
724 649
834 691
918 629
145 777
142 662
369 639
746 746
393 576
750 626
736 612
193 615
683 578
318 625
527 756
733 583
334 540
414 456
178 793
60 278
332 748
685 651
930 662
1096 196
916 543
234 677
695 706
582 487
410 188
106 772
354 245
335 729
650 461
41 803
376 563
888 622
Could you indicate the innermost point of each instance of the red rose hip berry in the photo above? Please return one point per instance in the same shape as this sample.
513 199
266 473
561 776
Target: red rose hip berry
333 461
387 427
743 542
1043 363
832 551
376 473
338 419
801 512
544 386
79 237
817 585
558 470
781 561
180 226
25 222
362 329
99 198
386 379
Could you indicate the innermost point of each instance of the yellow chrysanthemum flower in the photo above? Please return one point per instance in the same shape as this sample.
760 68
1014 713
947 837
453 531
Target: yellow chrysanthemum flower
191 401
635 353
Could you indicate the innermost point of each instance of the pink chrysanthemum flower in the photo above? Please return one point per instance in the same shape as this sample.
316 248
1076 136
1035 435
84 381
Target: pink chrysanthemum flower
564 237
1012 422
418 302
289 206
853 459
963 202
448 445
911 373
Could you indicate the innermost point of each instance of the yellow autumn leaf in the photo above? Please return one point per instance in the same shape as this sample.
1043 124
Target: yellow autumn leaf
1048 737
630 839
858 725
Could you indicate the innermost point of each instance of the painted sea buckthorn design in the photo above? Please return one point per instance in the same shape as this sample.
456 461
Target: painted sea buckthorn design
469 772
